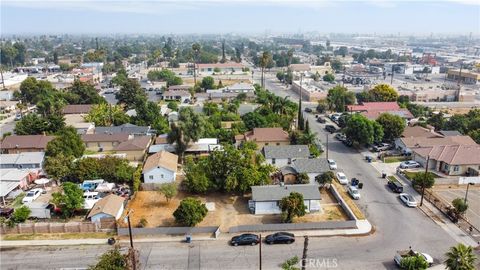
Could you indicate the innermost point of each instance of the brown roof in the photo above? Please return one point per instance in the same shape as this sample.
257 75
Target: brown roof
452 154
26 141
110 205
161 139
413 142
267 135
117 137
161 159
77 109
418 131
374 106
137 143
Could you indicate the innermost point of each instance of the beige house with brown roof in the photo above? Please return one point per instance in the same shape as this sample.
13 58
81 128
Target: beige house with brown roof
104 142
451 159
160 168
134 148
15 144
264 136
110 206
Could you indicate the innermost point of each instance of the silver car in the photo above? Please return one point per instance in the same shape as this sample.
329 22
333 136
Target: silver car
408 200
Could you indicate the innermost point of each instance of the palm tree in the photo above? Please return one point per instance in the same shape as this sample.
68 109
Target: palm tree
263 64
196 52
460 257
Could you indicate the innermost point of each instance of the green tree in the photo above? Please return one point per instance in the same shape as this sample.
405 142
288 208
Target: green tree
208 83
416 262
475 135
393 126
325 178
121 77
107 115
363 131
382 93
67 142
69 200
290 264
59 166
190 212
111 260
422 179
329 77
303 178
86 93
21 214
31 124
460 205
457 122
169 190
460 257
437 121
322 106
129 93
172 105
265 59
338 97
292 206
196 179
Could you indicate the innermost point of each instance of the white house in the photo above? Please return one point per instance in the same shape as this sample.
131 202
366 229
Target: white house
180 95
282 155
107 207
266 199
160 168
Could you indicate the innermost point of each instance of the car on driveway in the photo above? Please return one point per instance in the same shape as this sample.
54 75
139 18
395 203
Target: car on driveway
341 137
32 195
381 147
342 178
308 110
408 200
353 191
332 164
410 164
280 238
245 239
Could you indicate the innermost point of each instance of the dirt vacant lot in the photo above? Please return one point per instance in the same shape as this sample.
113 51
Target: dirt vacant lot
230 210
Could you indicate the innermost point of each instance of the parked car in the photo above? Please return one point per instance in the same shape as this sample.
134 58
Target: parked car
402 254
6 212
280 238
381 147
32 195
395 186
330 128
408 200
348 142
342 178
245 239
332 164
410 164
353 191
308 110
321 120
341 137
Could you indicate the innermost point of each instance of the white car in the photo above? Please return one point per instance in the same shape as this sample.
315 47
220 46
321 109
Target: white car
32 195
90 198
408 200
342 178
353 191
400 255
332 164
410 164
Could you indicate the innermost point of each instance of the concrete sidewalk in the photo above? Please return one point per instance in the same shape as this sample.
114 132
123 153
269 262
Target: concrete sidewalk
364 228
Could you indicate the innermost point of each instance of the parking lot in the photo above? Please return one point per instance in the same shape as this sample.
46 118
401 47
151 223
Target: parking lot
473 212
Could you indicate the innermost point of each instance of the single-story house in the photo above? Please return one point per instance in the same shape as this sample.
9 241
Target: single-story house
125 128
179 95
450 159
134 148
160 168
13 179
110 206
415 132
220 68
27 160
264 136
25 143
266 199
372 110
77 109
406 145
104 142
239 88
281 155
311 166
199 148
78 122
179 87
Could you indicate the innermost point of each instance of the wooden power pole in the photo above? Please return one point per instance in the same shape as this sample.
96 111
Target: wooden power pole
305 249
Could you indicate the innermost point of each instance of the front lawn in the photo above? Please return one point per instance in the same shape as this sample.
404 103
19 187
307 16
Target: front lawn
394 159
411 175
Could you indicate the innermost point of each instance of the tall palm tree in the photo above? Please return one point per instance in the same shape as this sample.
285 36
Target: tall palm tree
196 52
460 257
264 60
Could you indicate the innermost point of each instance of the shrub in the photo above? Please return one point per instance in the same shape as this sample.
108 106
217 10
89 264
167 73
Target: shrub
190 212
460 205
143 222
21 214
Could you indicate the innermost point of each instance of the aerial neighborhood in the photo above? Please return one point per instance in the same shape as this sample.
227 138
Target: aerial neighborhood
253 139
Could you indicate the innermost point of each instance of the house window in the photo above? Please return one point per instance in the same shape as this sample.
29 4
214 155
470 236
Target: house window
273 161
150 177
456 168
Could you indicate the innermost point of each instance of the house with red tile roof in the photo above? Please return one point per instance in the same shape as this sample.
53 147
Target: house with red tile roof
372 110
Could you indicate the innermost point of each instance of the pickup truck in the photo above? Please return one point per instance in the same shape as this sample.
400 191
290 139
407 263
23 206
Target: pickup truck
402 254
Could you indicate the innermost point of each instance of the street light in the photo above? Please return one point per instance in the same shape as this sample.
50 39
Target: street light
466 193
132 250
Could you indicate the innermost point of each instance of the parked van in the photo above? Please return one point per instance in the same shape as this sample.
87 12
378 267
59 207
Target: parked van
395 186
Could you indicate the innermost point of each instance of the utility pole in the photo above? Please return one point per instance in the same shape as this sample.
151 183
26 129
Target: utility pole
305 249
132 250
423 181
466 193
393 69
260 251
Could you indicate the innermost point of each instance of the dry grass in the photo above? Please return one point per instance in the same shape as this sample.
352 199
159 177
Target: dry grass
346 197
330 213
56 236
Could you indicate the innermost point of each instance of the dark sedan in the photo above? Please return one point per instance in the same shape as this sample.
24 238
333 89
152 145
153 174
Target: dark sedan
280 238
245 239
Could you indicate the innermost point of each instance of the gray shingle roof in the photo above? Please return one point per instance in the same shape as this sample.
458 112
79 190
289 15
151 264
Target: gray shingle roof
286 151
276 193
125 128
312 165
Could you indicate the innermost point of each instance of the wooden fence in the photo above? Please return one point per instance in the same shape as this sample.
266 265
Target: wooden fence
105 225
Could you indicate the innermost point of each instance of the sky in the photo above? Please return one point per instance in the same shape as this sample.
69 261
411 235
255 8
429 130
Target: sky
239 16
